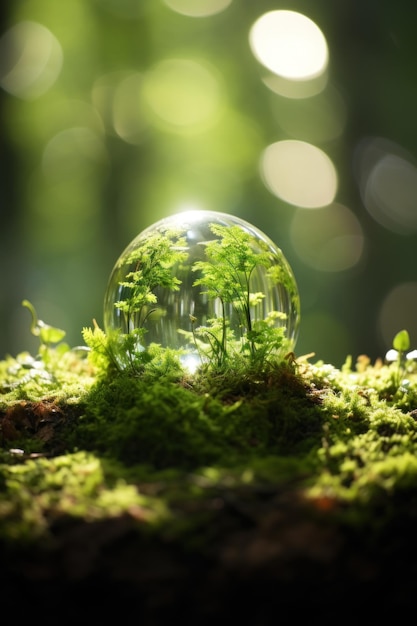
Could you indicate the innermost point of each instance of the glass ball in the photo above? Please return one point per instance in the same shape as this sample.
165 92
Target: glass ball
207 285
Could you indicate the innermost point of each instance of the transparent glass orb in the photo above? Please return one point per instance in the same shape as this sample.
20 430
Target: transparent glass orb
206 284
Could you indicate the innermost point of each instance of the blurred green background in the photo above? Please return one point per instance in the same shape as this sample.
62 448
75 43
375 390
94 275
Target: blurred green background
298 117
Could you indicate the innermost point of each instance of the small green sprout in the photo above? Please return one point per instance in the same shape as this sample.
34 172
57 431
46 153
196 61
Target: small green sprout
400 344
48 335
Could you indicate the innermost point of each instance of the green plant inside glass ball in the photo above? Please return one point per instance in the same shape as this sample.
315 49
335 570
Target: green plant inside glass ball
208 286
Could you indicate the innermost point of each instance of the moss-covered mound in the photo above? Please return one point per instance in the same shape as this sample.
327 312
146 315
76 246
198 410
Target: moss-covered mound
200 496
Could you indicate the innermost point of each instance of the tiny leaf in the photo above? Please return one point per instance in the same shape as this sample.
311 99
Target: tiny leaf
50 334
401 341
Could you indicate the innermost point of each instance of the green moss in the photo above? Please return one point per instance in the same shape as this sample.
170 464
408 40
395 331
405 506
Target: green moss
166 424
83 441
65 376
41 493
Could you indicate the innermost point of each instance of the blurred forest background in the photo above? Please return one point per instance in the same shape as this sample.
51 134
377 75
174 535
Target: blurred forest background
299 117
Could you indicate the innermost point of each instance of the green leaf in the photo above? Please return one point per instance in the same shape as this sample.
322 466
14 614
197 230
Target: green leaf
401 341
50 334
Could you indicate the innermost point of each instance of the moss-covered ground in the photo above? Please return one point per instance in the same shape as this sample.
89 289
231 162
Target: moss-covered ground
198 499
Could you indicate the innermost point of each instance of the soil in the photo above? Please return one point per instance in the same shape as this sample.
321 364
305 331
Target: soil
266 557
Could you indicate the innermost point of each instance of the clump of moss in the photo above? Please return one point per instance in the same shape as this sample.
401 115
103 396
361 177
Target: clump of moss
171 424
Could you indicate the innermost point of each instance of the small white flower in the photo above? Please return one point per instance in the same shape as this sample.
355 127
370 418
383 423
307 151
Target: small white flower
391 355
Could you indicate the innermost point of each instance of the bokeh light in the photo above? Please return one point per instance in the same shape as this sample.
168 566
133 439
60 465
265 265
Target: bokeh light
64 205
31 59
117 97
129 120
198 8
299 173
73 154
182 95
289 44
329 239
398 312
295 89
387 177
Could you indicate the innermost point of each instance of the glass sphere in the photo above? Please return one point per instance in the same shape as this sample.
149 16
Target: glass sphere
205 284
